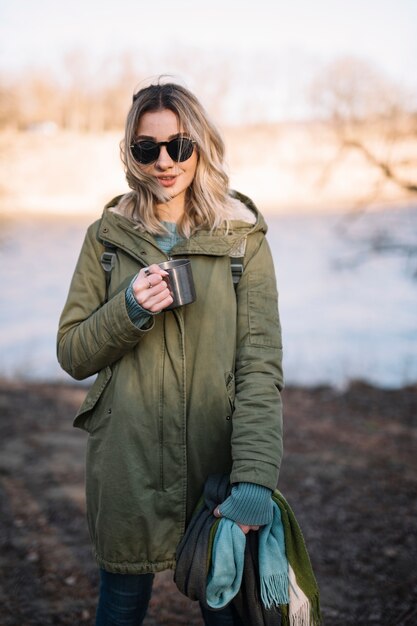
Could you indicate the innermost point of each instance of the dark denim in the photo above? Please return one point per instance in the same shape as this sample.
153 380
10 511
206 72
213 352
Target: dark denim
124 600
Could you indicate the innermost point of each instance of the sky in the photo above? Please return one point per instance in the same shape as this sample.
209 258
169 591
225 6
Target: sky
273 45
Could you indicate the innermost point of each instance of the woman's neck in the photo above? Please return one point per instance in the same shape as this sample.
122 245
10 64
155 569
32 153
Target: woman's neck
171 211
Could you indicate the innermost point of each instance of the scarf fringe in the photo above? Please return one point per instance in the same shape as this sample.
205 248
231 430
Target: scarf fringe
307 615
302 616
274 590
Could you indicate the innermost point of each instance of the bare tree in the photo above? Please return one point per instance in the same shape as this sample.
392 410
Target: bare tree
9 105
30 98
370 114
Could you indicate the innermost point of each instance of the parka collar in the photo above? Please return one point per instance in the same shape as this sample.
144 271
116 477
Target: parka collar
121 232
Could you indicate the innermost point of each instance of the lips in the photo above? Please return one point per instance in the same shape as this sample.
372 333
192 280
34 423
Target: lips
167 181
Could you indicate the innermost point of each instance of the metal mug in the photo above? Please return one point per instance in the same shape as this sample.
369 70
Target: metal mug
180 281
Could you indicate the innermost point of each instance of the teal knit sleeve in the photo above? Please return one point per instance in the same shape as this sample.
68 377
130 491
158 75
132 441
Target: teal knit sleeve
248 504
138 315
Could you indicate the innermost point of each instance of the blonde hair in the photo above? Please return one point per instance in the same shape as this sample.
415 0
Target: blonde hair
208 203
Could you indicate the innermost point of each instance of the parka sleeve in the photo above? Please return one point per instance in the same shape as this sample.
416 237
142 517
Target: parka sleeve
93 335
257 419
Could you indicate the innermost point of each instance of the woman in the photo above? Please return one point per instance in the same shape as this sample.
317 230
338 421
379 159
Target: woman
180 393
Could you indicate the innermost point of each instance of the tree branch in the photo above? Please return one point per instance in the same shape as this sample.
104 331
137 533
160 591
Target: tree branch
385 168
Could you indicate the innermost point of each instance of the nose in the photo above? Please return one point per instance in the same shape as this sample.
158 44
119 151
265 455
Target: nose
164 161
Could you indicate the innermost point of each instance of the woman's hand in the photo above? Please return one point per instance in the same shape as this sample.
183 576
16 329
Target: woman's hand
243 527
151 290
246 529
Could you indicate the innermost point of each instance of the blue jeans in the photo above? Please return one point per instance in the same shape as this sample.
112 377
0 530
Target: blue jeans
124 600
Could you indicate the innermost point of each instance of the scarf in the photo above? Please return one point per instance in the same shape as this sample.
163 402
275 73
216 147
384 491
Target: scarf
226 571
217 564
304 597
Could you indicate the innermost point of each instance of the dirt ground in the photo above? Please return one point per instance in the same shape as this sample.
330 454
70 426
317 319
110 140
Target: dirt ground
349 473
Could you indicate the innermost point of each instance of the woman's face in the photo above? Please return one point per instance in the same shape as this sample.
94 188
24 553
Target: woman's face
172 176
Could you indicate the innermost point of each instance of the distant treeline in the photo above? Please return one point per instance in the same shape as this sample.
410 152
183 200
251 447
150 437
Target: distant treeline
42 102
84 98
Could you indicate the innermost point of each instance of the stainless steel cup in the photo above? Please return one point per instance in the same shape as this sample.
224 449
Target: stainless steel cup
180 281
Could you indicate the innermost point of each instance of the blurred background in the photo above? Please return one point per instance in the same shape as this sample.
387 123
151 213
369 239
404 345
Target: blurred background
317 102
318 106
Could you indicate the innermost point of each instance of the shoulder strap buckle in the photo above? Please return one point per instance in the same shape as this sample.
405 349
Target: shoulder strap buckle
236 267
108 260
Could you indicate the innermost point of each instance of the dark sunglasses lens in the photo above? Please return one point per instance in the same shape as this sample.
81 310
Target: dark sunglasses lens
180 149
145 152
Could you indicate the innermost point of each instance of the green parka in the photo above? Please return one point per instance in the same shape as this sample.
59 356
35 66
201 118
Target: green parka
195 393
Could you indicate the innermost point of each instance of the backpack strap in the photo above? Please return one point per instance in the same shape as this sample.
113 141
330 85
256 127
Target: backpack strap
237 256
236 267
108 261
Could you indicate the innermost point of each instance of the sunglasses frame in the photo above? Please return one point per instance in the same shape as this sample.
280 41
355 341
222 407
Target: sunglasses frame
168 145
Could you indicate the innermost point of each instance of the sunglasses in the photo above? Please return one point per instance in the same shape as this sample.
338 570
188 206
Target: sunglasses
146 151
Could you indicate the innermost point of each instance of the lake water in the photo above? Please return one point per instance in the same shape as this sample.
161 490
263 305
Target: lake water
346 312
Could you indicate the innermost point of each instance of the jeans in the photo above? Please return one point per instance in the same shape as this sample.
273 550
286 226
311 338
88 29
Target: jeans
124 600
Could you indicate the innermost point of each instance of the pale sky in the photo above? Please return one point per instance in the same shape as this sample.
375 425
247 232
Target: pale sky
257 38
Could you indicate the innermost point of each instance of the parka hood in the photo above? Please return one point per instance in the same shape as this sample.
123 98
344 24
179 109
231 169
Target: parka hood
245 219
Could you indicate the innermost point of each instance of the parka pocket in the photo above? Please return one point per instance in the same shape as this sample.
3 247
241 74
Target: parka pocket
231 391
85 415
264 324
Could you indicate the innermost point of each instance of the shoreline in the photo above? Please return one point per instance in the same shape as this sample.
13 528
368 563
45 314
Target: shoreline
300 173
14 382
341 209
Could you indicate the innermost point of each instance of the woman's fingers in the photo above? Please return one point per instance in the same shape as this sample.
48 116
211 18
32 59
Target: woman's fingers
245 528
159 302
151 290
155 296
153 269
